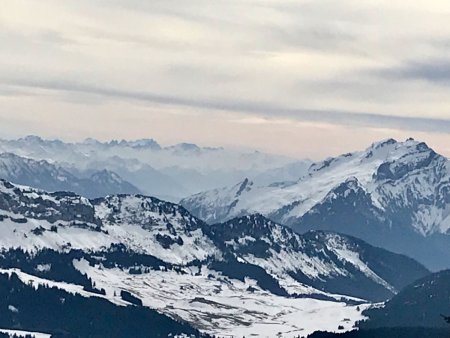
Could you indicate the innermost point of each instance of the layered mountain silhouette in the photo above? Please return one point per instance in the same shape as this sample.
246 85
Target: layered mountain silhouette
394 194
47 176
171 261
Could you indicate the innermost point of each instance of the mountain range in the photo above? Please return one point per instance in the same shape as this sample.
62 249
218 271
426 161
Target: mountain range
169 172
243 276
395 195
50 177
274 255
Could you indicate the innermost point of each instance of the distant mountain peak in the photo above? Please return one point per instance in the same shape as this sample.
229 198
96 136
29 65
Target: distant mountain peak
37 140
32 138
409 157
142 143
383 143
106 176
189 147
390 189
137 144
91 141
44 175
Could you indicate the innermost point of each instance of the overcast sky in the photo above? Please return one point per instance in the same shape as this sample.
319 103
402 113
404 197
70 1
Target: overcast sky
302 78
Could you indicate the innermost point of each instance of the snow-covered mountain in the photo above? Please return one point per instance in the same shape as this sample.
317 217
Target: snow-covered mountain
393 194
169 172
326 261
44 175
248 275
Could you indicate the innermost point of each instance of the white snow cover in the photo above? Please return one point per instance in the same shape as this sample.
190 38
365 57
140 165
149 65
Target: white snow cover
13 235
137 221
343 252
133 236
20 333
292 259
220 306
137 225
36 282
420 182
212 302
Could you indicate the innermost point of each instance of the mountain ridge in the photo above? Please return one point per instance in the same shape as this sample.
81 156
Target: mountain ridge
389 190
169 172
176 263
48 176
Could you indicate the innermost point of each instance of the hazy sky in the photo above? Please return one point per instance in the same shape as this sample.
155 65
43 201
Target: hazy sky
303 78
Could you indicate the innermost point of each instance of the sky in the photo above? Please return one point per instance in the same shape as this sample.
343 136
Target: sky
300 78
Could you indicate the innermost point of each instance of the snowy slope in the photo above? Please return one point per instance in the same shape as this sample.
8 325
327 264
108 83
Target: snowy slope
247 274
161 229
32 220
369 167
324 261
404 186
66 310
223 306
19 333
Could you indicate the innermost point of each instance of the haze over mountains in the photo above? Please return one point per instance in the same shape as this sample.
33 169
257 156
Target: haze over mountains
44 175
293 248
170 172
176 180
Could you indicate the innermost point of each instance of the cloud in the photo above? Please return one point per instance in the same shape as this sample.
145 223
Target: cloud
268 112
433 71
345 63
